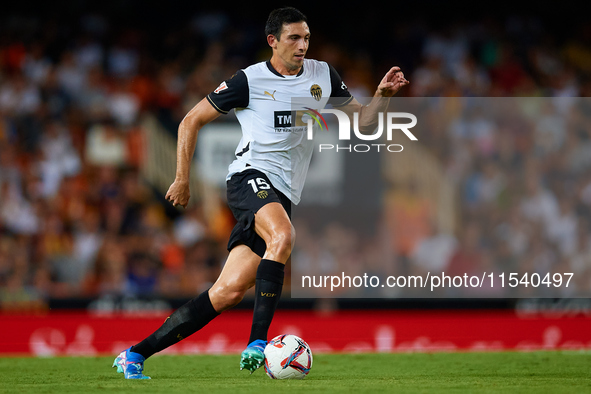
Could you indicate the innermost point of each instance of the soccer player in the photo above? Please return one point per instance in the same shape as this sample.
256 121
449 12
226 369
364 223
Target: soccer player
264 179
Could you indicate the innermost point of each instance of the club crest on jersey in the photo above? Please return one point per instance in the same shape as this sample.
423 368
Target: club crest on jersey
220 88
316 92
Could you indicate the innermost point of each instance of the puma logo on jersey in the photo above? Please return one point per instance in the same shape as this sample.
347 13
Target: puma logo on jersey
270 94
268 294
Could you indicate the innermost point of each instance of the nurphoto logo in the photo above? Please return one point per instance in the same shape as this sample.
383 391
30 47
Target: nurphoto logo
392 120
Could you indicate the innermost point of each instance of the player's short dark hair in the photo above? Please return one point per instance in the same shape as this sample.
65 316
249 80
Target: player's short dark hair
279 17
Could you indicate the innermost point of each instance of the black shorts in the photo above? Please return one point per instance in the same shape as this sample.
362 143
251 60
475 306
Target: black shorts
247 192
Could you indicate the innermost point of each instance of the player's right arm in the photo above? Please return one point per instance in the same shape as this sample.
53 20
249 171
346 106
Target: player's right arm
196 118
232 93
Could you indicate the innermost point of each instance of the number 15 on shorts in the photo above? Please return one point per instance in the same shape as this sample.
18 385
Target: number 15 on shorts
258 183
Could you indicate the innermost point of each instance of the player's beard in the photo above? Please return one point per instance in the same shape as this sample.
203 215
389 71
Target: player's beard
298 62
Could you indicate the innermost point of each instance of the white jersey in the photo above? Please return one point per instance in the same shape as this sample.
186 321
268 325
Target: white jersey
274 137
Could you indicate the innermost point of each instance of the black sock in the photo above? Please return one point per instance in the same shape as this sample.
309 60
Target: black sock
269 282
186 320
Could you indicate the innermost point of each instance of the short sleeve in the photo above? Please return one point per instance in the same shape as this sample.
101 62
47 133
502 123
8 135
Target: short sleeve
231 93
339 89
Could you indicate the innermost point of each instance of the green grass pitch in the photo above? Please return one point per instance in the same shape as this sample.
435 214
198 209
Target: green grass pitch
536 372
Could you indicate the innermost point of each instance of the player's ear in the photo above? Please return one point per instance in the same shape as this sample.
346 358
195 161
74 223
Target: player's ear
272 41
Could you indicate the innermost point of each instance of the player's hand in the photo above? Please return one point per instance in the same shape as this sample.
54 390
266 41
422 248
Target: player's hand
391 83
179 193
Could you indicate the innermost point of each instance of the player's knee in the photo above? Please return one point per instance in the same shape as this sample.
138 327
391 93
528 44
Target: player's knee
233 298
225 297
293 236
230 299
281 243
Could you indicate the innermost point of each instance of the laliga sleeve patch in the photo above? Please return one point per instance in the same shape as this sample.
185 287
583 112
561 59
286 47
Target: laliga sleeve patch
223 86
231 93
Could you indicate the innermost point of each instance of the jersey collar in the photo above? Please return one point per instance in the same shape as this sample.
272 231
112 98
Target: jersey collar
272 69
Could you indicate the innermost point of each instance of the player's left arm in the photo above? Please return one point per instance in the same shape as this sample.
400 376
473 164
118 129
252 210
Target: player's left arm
390 84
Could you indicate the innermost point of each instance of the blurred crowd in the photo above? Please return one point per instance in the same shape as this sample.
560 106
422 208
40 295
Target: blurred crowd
77 219
520 171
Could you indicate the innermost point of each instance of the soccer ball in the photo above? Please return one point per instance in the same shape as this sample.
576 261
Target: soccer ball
287 357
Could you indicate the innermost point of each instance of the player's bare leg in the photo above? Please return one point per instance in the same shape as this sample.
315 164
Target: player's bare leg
237 276
273 225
